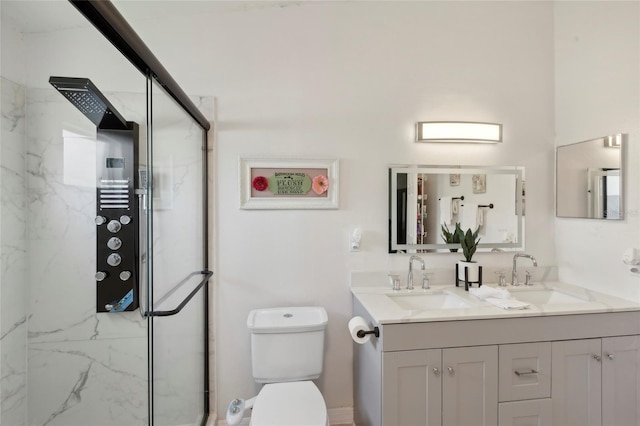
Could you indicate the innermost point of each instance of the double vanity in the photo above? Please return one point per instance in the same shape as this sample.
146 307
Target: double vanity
445 357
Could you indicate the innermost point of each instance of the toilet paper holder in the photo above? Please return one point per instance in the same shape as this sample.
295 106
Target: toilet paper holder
375 332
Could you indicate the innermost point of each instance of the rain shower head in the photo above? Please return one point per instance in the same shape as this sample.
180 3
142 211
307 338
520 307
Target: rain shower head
82 93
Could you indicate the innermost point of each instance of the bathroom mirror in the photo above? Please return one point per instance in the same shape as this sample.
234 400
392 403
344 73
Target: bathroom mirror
590 178
426 201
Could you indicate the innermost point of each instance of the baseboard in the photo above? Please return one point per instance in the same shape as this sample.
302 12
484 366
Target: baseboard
212 419
337 416
341 416
244 422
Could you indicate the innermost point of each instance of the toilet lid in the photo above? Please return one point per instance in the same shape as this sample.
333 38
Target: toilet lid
289 404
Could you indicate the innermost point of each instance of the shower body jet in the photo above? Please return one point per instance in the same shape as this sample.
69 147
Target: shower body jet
117 206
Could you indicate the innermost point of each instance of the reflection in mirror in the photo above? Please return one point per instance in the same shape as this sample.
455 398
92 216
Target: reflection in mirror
590 178
426 203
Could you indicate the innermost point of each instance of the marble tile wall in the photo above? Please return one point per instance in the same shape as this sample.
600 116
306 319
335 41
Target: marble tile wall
13 256
84 368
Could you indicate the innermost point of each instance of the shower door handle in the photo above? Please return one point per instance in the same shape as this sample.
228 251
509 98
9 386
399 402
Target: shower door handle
179 306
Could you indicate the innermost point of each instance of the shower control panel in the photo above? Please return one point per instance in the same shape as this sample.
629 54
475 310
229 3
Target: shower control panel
117 219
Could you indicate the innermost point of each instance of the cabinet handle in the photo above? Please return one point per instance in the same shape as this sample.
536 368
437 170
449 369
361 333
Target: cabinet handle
597 357
451 370
436 371
610 356
525 372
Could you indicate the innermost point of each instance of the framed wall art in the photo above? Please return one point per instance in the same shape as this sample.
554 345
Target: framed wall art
479 184
280 183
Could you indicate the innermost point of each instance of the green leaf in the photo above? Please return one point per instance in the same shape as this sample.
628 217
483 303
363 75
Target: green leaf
448 236
468 241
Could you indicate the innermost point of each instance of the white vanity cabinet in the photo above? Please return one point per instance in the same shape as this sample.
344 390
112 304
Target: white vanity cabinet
562 370
596 381
454 386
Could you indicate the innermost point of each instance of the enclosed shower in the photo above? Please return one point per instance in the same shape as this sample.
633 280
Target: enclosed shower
104 281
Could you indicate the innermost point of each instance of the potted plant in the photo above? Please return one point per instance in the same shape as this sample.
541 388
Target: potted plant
469 242
450 237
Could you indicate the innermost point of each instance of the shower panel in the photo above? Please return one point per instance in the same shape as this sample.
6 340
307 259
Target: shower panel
117 219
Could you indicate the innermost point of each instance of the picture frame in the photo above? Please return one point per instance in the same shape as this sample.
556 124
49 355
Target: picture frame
454 179
479 183
288 183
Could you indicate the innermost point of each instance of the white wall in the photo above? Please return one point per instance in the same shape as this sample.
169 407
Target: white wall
597 85
348 81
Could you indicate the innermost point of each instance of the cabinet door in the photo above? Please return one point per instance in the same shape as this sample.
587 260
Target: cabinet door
621 381
470 386
576 382
411 388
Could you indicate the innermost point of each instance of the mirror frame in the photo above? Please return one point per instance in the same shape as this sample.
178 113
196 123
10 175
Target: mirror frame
516 171
622 173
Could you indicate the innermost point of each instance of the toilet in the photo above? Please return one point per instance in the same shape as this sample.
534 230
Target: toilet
287 350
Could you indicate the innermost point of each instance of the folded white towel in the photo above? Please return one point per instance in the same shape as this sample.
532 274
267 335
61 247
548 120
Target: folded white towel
469 218
507 303
454 206
481 221
445 210
485 292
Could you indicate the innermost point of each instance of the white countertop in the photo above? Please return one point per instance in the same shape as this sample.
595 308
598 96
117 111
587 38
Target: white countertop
384 311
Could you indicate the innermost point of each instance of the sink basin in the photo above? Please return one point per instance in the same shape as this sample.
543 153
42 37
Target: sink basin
427 301
545 297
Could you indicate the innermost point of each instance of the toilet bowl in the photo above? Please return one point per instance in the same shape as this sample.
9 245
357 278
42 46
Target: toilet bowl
287 349
289 404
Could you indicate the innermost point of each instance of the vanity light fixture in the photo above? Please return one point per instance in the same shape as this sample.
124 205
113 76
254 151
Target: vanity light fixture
458 131
613 141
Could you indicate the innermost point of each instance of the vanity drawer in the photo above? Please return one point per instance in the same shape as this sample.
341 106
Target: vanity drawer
536 412
524 371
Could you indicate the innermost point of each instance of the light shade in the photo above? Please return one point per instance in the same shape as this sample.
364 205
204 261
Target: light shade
458 131
613 141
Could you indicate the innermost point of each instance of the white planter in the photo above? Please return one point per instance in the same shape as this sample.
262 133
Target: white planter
472 267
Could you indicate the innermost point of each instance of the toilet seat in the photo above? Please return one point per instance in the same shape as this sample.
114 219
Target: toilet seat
289 404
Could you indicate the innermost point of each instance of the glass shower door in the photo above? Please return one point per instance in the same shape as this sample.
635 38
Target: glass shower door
68 356
85 367
176 263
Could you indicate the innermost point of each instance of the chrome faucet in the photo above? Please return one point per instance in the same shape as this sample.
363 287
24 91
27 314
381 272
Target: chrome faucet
410 276
514 272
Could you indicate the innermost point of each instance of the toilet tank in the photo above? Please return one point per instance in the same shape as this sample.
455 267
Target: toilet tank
287 344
